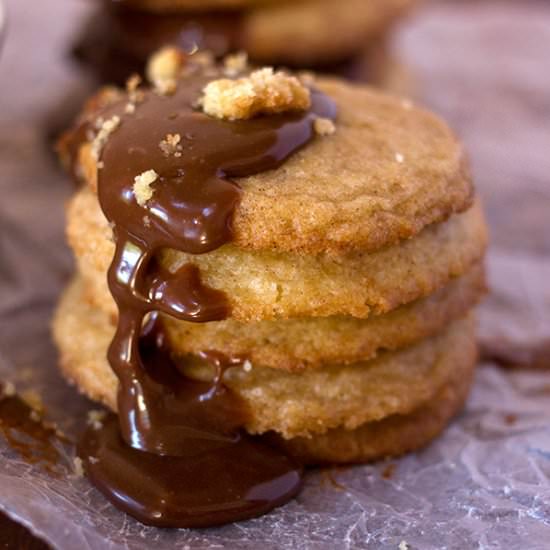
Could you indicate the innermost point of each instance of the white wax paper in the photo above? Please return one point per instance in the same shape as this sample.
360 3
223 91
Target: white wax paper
486 482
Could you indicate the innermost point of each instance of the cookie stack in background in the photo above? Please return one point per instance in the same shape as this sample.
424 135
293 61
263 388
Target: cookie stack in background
344 36
351 279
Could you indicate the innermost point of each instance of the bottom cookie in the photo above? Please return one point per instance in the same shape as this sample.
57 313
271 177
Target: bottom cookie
390 437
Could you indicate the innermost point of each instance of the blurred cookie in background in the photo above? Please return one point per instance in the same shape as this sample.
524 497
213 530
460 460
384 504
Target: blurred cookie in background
345 37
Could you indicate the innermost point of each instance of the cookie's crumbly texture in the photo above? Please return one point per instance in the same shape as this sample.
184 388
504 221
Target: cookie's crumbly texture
269 285
390 437
347 192
292 404
261 92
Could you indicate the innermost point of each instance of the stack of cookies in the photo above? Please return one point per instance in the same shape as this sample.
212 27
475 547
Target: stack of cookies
344 35
350 278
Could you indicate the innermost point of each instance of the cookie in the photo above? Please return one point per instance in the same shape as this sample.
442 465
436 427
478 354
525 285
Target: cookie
114 45
302 33
292 404
387 438
313 32
264 285
389 170
309 342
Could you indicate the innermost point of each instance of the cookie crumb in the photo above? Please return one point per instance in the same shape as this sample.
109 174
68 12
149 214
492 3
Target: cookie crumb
106 128
324 126
171 145
247 365
95 418
262 92
235 64
8 389
403 545
78 466
399 157
142 186
93 460
130 108
163 69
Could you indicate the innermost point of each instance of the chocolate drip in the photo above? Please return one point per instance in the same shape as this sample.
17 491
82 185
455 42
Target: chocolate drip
179 435
220 474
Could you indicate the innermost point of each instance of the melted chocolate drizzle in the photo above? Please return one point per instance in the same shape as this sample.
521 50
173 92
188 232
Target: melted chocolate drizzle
181 458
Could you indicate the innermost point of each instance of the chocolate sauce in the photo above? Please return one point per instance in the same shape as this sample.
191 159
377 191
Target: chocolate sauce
27 435
219 474
180 458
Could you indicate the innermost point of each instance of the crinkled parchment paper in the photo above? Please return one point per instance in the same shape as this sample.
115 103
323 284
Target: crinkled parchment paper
485 482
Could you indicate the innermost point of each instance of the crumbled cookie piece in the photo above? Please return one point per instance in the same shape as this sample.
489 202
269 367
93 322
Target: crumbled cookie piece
263 91
324 126
142 186
235 64
164 68
399 158
247 366
171 145
107 127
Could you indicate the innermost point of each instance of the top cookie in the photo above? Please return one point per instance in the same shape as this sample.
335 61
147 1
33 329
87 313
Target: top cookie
388 170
